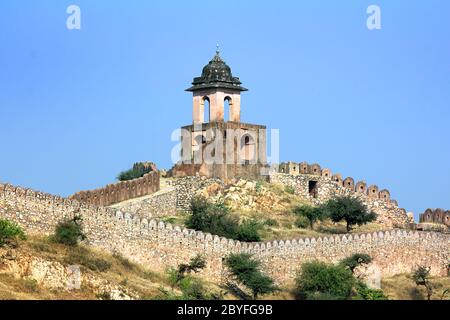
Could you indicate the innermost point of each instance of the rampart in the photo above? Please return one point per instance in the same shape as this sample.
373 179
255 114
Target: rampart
121 191
438 216
157 245
319 185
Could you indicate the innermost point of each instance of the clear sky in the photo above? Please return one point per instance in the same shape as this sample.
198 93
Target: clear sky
78 106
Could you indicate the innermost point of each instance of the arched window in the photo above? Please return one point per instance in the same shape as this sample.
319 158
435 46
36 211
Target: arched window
247 140
207 111
227 108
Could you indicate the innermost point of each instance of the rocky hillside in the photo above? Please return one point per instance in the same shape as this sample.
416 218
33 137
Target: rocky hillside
41 269
253 196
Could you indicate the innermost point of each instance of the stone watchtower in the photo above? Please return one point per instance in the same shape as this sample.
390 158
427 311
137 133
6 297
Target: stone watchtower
218 144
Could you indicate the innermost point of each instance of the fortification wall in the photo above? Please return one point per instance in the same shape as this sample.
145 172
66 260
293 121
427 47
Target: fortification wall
158 205
121 191
322 186
315 170
187 187
438 216
158 245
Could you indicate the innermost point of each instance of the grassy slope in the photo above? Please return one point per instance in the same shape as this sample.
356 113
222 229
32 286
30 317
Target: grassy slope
283 225
145 283
115 269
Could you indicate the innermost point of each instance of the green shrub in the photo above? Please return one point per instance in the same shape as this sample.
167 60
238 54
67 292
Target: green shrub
139 170
289 189
212 218
249 231
246 270
313 214
302 222
216 219
191 288
348 209
176 275
356 260
69 232
365 293
10 232
258 186
318 279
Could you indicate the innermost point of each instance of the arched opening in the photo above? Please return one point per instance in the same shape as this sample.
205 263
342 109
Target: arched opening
227 103
248 148
247 140
206 109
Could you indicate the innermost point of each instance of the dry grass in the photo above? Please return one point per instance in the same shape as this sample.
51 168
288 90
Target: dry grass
115 269
402 287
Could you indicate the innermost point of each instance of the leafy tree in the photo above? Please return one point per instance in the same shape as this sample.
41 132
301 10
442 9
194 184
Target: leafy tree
247 271
356 260
196 264
191 288
215 218
249 231
10 232
316 279
349 209
422 278
313 214
69 232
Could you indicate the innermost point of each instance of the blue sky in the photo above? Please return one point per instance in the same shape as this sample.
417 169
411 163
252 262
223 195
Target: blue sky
78 106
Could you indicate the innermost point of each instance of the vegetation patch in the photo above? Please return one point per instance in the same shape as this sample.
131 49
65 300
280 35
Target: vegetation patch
10 233
216 219
247 271
69 232
138 171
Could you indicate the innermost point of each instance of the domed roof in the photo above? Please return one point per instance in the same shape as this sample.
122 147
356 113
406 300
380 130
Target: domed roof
216 74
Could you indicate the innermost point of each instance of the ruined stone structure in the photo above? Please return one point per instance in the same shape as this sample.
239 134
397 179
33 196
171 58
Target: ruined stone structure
157 245
437 216
218 144
121 191
319 185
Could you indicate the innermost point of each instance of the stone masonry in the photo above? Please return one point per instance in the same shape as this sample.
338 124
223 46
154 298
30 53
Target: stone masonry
319 185
157 245
121 191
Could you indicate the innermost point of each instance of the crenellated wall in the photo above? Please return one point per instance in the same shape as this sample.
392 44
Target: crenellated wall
326 186
438 216
157 245
294 168
121 191
161 204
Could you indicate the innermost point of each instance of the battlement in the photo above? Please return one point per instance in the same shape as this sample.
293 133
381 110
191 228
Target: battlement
372 191
318 185
157 244
438 216
121 191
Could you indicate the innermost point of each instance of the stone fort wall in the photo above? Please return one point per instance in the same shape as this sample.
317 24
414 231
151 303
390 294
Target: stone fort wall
438 216
158 245
318 185
121 191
